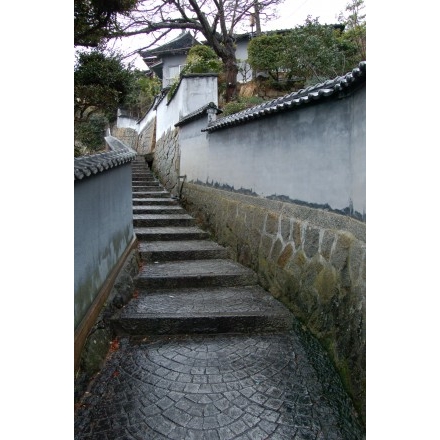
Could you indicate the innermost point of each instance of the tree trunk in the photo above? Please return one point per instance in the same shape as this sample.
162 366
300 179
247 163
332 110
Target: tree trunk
257 19
231 72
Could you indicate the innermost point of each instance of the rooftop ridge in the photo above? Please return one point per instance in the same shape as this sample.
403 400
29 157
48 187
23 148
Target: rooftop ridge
86 166
337 86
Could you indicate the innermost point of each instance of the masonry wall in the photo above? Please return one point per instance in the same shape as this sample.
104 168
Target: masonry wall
311 260
166 164
147 138
103 231
128 136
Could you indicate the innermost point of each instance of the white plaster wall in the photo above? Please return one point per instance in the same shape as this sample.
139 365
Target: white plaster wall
313 154
127 122
241 54
151 114
193 93
194 149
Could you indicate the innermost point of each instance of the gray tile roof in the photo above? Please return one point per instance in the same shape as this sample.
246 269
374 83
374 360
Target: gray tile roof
333 88
196 114
180 44
86 166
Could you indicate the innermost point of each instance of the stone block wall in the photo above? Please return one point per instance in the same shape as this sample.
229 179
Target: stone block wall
166 163
128 136
311 260
147 138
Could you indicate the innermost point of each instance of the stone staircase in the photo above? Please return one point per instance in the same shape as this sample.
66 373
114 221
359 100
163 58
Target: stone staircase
187 284
202 351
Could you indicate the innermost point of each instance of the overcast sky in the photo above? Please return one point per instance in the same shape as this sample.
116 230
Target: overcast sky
291 12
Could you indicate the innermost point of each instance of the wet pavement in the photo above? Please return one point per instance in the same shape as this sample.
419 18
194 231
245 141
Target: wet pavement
210 354
216 387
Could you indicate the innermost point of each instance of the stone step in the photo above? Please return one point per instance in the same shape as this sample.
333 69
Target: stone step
241 309
154 201
195 273
145 181
142 172
151 220
181 250
148 194
158 209
146 188
170 233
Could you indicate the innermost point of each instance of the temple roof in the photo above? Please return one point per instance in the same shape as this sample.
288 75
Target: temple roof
180 45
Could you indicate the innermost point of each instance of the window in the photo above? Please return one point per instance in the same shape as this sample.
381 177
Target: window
173 72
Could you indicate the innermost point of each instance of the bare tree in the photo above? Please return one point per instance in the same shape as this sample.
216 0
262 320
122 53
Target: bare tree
218 21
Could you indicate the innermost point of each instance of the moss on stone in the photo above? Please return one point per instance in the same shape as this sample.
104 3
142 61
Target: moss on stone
296 233
326 283
339 255
286 254
272 223
300 259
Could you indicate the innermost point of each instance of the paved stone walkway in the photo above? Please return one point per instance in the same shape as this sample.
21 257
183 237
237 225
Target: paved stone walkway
217 387
162 380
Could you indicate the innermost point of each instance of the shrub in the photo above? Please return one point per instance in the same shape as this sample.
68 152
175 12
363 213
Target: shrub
89 135
241 104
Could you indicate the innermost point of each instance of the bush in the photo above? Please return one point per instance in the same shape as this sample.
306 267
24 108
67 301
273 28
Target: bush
89 135
202 59
241 104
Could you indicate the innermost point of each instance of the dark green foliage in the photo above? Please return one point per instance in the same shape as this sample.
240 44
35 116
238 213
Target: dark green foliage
241 104
101 83
266 53
96 20
90 134
202 59
355 35
142 94
312 52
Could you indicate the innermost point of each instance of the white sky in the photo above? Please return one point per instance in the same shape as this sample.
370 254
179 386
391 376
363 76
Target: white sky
291 12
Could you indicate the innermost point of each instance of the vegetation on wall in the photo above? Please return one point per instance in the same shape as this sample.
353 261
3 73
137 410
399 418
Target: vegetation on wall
200 59
241 103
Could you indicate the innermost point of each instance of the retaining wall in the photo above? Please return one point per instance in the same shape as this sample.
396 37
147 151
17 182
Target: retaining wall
311 260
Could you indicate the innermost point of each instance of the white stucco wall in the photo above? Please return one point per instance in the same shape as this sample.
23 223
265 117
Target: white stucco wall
126 122
313 154
193 93
241 54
